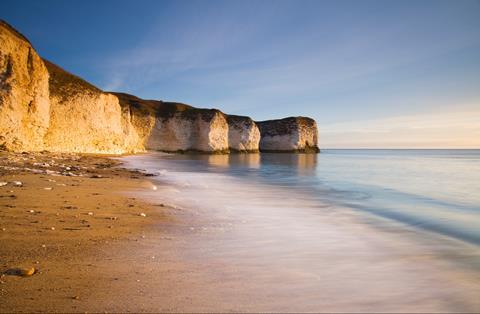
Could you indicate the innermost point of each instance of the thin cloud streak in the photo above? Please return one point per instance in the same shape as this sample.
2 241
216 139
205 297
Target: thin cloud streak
442 130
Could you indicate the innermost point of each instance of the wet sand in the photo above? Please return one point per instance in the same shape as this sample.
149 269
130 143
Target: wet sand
104 256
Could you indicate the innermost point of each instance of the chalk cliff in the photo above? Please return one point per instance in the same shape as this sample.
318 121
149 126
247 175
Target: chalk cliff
293 134
43 107
178 127
85 119
243 134
24 95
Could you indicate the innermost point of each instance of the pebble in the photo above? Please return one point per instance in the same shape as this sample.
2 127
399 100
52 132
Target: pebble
3 229
90 214
24 272
96 176
39 164
3 183
29 271
143 214
48 189
53 228
31 211
154 187
17 183
44 246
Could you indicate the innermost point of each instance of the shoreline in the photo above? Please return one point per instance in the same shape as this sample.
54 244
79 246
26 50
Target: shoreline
193 252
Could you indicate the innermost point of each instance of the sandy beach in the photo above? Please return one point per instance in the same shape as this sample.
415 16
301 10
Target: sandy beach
103 238
62 215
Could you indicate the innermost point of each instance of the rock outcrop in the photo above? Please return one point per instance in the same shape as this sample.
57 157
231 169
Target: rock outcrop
43 107
179 127
201 130
243 134
24 95
293 134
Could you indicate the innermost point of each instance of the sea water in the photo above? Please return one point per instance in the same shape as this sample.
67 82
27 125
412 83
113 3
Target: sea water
436 190
385 230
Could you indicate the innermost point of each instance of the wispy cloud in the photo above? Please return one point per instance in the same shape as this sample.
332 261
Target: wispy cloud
269 59
449 129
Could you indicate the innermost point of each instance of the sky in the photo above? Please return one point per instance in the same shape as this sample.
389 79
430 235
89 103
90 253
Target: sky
373 74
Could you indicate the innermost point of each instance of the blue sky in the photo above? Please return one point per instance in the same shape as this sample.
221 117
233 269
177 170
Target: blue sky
372 73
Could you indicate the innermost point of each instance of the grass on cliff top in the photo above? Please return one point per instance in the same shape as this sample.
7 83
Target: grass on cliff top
237 119
64 83
165 109
153 105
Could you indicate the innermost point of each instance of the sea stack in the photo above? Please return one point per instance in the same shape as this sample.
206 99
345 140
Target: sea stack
293 134
243 134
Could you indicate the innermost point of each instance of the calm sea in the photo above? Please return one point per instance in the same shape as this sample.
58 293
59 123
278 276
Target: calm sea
434 190
344 230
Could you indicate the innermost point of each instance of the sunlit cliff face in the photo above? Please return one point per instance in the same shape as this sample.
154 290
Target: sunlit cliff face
436 130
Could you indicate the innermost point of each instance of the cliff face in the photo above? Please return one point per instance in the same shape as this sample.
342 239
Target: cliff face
24 95
243 134
190 131
178 127
43 106
294 134
85 119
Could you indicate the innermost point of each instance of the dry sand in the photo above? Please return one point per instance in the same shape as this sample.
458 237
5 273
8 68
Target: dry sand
63 221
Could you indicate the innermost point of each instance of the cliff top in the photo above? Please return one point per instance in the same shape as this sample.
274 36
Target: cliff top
284 126
165 109
64 83
236 119
154 105
12 30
